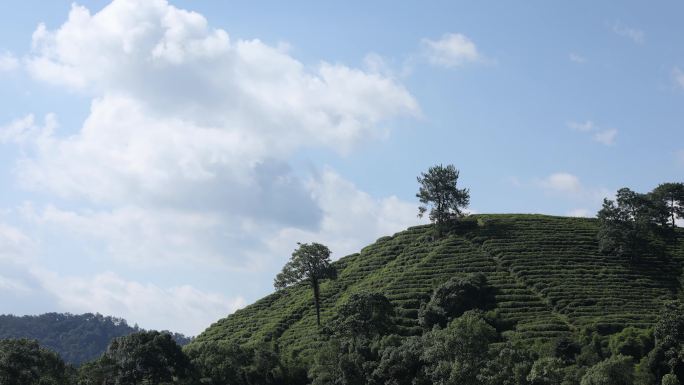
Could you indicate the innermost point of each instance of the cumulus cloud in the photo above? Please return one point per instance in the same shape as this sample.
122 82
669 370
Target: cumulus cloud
188 124
562 182
168 60
181 308
570 185
185 156
26 130
8 62
605 136
451 50
635 35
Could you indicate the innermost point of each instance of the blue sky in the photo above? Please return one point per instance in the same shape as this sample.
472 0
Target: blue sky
160 160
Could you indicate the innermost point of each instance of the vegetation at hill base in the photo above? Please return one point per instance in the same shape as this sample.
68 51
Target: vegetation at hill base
76 338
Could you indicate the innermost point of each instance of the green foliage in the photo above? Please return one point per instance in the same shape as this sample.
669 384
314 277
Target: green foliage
617 370
220 362
670 379
510 365
632 342
456 354
76 338
453 298
309 262
438 188
668 354
566 349
671 197
629 226
346 361
364 314
545 273
402 364
139 358
546 371
24 362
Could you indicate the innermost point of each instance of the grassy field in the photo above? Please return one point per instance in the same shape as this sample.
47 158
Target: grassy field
547 274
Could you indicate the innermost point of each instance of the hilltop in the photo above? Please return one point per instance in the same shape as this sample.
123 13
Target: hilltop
548 277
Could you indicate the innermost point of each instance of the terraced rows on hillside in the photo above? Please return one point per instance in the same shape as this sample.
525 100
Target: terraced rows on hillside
559 259
546 271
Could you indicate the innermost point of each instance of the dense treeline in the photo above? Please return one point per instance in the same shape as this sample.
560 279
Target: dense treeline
636 224
76 338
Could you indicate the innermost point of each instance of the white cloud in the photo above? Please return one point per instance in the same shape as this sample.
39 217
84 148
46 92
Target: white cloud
451 50
14 244
577 58
636 35
352 218
606 137
584 127
582 213
181 308
190 131
142 237
15 255
678 77
570 186
599 135
562 182
8 62
25 130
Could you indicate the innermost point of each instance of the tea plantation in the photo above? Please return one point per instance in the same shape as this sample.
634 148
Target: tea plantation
548 279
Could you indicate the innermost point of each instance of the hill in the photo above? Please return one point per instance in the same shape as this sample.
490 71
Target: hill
76 338
547 274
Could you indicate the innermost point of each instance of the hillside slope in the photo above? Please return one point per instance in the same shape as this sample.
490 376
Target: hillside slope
548 276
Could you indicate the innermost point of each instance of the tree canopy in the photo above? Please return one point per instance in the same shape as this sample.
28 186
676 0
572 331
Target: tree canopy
438 190
309 262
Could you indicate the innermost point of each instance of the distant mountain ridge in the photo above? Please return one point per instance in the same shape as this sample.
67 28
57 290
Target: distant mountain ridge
547 274
76 338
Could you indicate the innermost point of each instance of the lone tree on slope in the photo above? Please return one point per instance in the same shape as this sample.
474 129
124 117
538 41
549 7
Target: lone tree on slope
309 262
438 188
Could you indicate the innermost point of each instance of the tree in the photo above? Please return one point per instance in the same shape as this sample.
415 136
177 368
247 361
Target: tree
438 188
671 195
456 354
24 362
546 371
453 298
365 314
309 262
629 225
616 370
140 358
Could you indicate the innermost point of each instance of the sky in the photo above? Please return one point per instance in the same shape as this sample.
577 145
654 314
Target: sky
160 160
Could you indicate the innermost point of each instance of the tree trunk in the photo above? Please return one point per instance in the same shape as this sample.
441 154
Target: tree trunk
317 293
